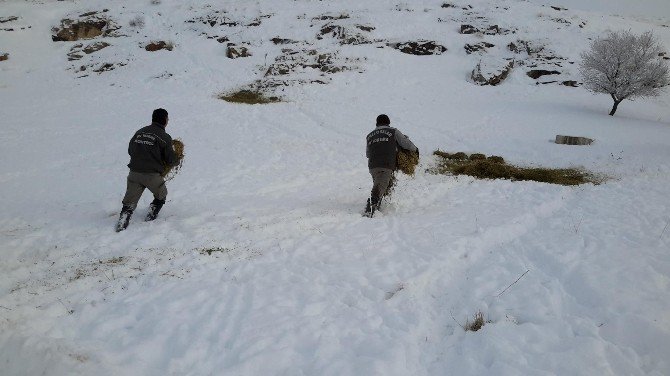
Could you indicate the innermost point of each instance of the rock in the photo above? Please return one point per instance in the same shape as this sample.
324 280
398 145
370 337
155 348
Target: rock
537 73
570 83
489 30
87 28
4 57
571 140
234 52
277 40
470 48
468 29
160 45
491 75
95 47
365 28
420 48
345 35
8 19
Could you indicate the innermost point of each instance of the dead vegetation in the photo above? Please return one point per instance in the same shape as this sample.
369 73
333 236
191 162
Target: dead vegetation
494 167
248 96
407 161
169 172
477 322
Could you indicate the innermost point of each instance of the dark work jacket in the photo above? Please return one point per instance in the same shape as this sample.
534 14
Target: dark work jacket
382 146
150 149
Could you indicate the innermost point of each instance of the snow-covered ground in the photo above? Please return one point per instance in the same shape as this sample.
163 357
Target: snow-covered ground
261 264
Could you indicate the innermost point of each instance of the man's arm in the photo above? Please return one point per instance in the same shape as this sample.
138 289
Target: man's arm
404 141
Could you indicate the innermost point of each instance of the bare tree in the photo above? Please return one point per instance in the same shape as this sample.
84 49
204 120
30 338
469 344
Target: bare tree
625 66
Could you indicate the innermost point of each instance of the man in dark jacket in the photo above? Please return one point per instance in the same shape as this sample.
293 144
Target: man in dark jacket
150 151
382 149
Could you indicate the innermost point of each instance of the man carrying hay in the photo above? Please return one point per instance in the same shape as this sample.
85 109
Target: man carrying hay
150 151
382 149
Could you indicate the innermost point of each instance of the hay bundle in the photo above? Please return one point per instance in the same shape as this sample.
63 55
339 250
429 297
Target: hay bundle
169 172
407 161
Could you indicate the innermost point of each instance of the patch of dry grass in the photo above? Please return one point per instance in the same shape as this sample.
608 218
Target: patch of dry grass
494 167
407 161
477 323
247 96
169 172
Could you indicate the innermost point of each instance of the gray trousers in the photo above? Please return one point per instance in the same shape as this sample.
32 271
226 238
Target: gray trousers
136 183
382 182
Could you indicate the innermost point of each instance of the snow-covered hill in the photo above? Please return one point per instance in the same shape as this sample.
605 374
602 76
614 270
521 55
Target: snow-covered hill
260 263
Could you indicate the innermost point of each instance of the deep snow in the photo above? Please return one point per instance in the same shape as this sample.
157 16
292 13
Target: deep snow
297 282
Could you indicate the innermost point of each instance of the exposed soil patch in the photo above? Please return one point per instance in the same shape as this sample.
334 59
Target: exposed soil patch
88 26
159 45
496 168
420 48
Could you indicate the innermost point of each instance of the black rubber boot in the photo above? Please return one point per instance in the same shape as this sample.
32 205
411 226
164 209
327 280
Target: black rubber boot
371 206
124 218
154 209
368 209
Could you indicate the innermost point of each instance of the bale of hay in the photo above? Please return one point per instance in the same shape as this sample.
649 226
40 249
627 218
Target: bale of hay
407 161
169 172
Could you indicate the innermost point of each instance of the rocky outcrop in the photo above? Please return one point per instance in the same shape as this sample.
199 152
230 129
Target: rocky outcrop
159 45
489 74
537 73
234 51
87 26
479 47
420 48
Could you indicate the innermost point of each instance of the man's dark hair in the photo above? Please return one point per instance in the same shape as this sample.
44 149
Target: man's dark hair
159 116
383 120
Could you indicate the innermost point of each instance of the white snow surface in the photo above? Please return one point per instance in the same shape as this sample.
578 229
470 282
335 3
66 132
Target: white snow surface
297 282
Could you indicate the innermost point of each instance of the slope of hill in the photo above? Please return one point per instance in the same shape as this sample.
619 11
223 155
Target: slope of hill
260 262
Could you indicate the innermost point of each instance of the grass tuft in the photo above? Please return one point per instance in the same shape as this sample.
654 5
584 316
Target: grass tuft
476 324
169 172
494 167
248 97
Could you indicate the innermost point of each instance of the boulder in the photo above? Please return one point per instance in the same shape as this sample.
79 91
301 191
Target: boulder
537 73
572 140
160 45
490 74
470 48
234 52
420 48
